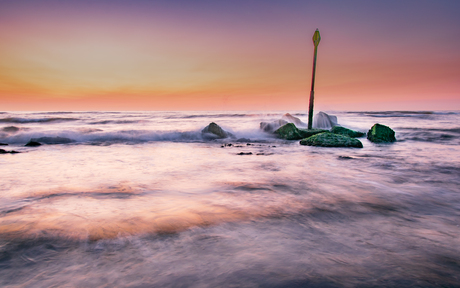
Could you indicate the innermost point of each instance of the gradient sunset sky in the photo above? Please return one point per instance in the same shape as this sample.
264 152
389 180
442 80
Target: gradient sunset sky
229 55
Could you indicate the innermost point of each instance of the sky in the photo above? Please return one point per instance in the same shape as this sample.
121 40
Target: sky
62 55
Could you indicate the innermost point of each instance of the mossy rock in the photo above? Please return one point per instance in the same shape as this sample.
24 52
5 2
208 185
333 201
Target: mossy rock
380 133
346 132
305 133
328 139
290 132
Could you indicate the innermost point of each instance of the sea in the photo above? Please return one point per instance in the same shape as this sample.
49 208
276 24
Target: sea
142 199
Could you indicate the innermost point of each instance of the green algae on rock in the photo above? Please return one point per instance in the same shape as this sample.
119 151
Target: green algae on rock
381 133
346 132
290 132
305 133
327 139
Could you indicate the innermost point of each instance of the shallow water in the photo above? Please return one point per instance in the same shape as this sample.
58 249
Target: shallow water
139 199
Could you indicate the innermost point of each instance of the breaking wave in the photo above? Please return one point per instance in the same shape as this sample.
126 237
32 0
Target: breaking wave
36 120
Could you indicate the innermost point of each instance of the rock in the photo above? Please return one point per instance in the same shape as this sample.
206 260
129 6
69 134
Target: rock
33 144
243 140
291 119
52 140
8 152
324 121
10 129
244 153
327 139
347 132
288 132
3 144
345 158
291 132
270 127
213 131
305 133
381 133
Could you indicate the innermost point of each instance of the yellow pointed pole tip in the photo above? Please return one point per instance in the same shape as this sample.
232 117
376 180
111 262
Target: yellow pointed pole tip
316 37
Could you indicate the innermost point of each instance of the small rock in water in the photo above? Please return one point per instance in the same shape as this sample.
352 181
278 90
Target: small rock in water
381 133
243 140
327 139
3 144
8 152
53 140
33 144
347 132
345 158
214 131
11 129
244 153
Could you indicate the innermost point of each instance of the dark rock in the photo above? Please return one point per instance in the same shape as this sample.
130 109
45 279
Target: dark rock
270 127
345 158
10 129
305 133
8 152
53 140
347 132
291 132
243 140
288 132
381 133
327 139
33 144
244 153
3 144
213 131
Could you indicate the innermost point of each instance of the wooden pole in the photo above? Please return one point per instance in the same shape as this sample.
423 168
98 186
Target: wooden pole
316 39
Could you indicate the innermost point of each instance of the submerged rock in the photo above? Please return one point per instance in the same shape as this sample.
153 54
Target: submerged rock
8 152
347 132
53 140
10 129
244 153
328 139
213 131
291 132
324 121
381 133
33 144
272 126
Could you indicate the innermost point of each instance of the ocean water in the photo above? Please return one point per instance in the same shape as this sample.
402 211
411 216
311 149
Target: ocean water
140 199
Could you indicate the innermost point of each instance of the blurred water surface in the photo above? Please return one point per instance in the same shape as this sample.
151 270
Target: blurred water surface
140 199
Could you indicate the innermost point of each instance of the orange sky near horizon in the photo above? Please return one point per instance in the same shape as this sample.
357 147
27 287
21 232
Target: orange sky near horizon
115 56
